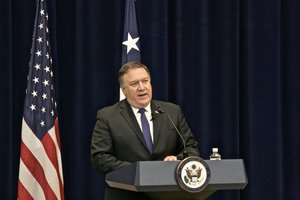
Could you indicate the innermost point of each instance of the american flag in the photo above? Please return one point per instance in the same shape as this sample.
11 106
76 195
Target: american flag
40 171
131 44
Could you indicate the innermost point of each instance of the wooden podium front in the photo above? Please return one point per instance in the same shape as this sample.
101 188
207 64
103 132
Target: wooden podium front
157 179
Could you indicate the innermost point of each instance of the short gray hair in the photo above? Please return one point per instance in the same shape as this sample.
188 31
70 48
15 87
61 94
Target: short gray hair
129 66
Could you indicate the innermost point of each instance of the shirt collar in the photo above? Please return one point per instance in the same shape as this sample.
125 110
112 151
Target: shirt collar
147 108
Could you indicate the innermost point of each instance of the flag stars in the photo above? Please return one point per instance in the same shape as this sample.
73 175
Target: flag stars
42 123
52 113
37 66
42 12
38 53
34 93
43 109
32 107
47 69
35 80
131 43
44 96
46 82
40 39
47 55
41 26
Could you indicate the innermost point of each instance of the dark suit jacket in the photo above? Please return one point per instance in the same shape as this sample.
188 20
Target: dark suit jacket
118 140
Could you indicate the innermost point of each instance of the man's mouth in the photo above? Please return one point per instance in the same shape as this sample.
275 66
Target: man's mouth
141 95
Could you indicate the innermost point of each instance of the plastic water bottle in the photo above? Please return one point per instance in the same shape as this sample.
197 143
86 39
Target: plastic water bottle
215 154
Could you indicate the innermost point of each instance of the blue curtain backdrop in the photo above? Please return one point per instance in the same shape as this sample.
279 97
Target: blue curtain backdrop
232 65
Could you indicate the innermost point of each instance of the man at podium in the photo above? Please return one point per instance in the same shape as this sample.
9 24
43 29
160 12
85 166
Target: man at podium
138 129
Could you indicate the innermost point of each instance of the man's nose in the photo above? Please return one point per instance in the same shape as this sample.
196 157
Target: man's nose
141 85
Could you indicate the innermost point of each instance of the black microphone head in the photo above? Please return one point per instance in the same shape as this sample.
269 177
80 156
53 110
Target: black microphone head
155 112
158 110
153 116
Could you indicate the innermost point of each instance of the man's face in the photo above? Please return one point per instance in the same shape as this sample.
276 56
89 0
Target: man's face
137 87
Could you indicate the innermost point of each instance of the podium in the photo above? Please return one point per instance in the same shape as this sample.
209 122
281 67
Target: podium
157 179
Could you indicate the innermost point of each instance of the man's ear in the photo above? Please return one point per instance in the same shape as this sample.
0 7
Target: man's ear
123 90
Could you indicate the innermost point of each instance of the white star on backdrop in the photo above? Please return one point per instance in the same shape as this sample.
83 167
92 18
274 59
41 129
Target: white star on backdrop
44 96
35 80
40 39
38 53
32 107
42 123
37 66
131 43
41 26
34 93
46 82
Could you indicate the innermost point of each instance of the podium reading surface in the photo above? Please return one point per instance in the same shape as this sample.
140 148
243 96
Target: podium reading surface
157 178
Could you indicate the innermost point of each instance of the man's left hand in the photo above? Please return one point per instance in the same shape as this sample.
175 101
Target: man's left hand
170 158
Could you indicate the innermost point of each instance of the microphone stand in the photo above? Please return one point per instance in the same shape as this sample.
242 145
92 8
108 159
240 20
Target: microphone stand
185 153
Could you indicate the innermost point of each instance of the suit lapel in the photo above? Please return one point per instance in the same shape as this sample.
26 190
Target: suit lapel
128 115
156 123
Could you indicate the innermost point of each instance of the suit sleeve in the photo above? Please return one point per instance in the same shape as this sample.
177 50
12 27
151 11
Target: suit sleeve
102 151
190 141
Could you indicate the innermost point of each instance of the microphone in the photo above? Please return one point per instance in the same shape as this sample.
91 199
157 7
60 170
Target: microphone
159 111
153 115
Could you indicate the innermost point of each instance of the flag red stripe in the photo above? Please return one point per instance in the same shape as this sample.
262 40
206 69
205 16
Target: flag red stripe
50 149
57 132
58 142
36 170
23 193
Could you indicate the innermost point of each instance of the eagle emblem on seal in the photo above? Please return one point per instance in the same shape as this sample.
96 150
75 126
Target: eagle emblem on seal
193 174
